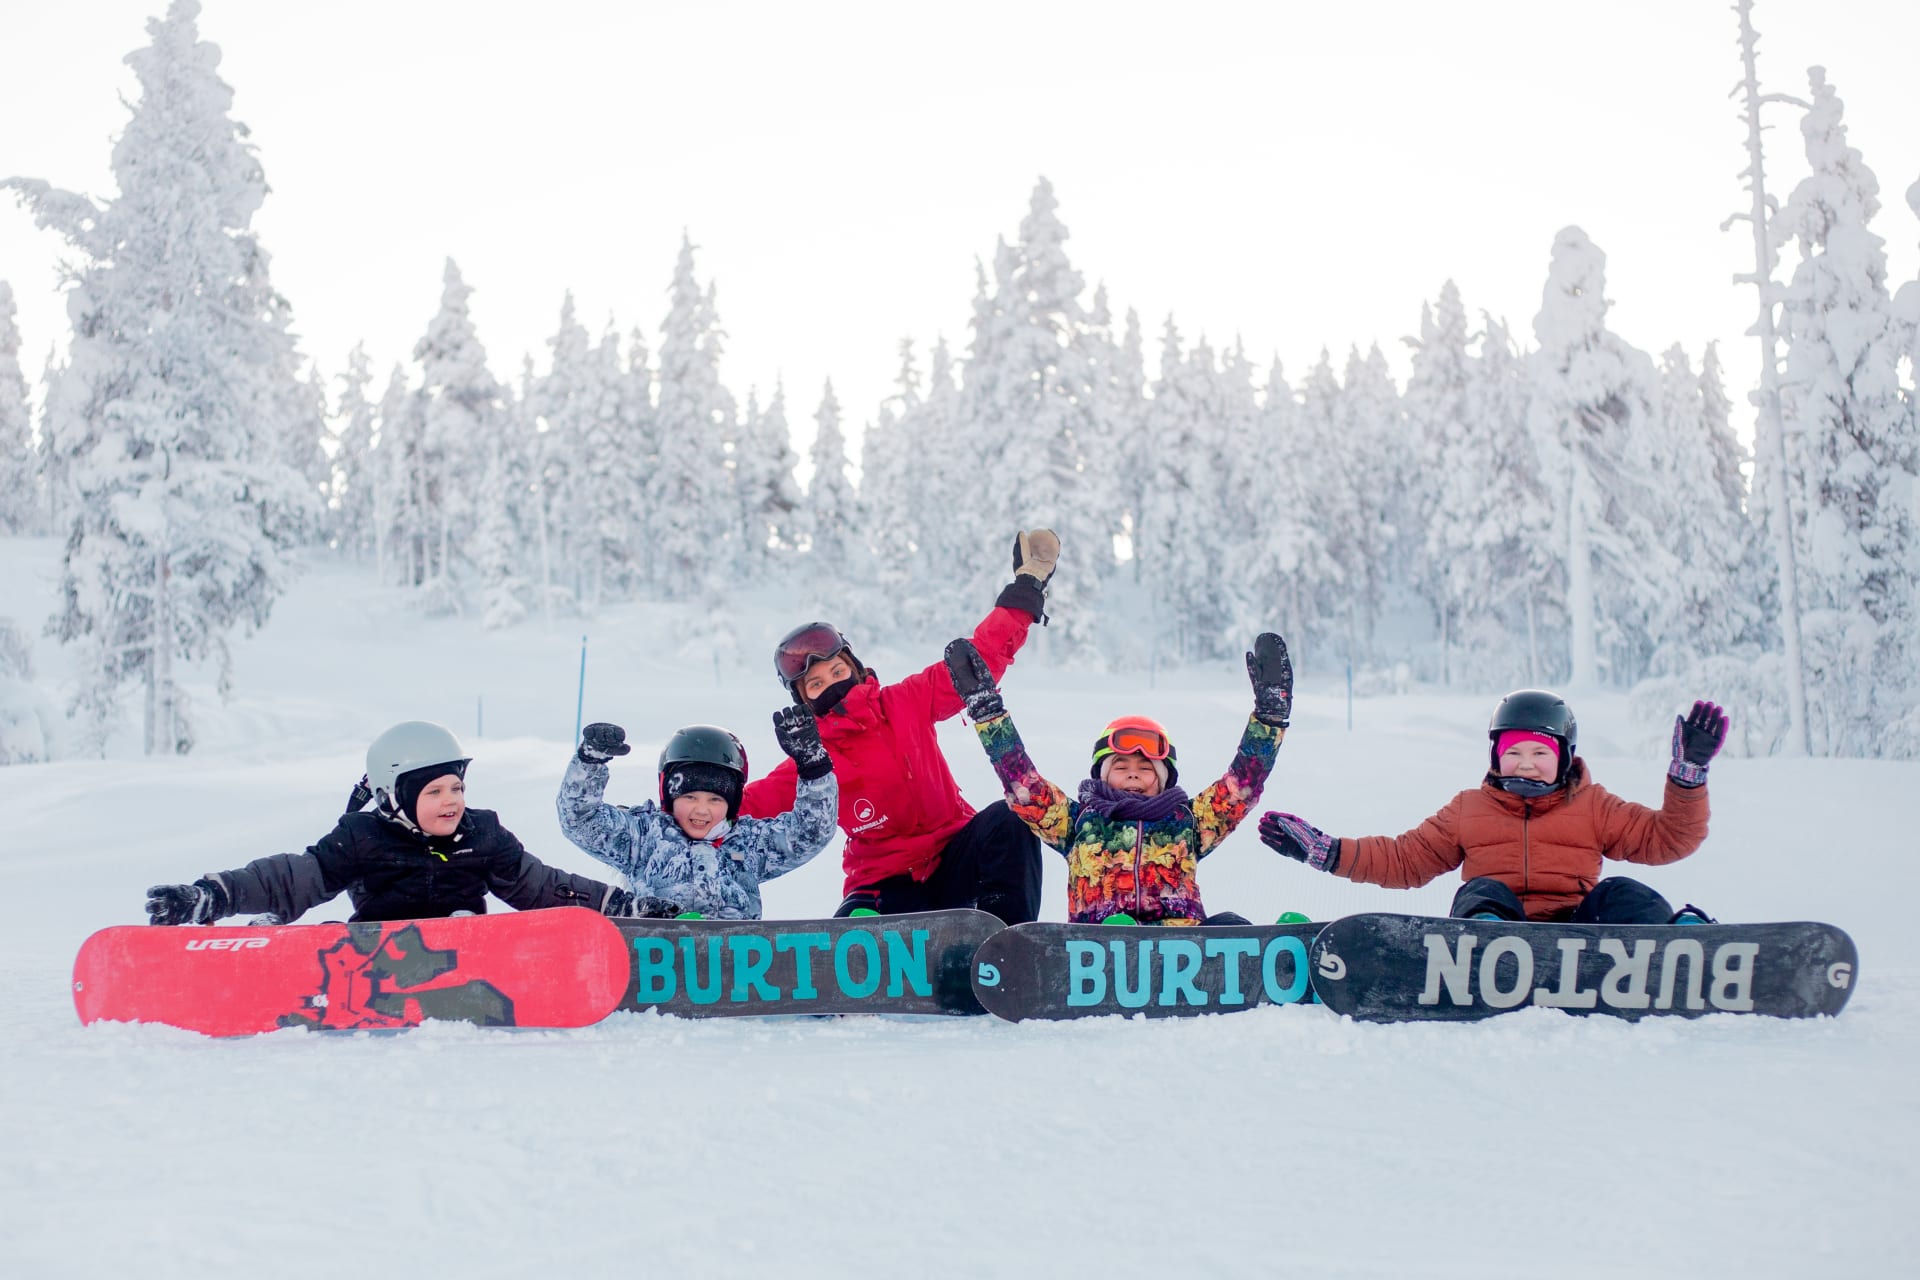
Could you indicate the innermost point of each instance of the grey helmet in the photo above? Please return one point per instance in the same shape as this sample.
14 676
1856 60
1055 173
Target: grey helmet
410 745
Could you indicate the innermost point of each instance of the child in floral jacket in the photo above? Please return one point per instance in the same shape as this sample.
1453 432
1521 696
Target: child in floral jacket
1133 838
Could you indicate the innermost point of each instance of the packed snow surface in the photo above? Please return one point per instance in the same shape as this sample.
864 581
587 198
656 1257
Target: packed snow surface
1276 1141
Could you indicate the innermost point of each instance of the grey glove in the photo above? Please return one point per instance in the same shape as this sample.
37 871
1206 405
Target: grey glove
601 742
973 681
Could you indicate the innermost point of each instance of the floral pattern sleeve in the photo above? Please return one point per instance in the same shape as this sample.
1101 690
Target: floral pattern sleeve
1046 810
1225 804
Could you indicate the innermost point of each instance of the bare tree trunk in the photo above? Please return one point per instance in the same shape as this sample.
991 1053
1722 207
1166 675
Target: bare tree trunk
1772 449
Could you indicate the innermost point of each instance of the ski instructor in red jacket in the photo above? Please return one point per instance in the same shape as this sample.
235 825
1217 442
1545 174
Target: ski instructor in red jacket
913 844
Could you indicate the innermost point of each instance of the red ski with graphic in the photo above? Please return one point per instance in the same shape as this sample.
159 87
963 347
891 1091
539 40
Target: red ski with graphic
562 967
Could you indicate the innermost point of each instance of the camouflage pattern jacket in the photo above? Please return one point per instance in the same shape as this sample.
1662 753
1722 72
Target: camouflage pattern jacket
719 876
1144 868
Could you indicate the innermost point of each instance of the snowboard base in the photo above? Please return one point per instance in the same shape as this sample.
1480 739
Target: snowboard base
1393 968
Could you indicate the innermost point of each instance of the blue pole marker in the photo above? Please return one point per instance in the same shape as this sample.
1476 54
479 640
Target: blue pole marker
580 701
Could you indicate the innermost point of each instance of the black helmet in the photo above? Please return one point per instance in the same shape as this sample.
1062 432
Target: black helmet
805 645
703 757
1540 711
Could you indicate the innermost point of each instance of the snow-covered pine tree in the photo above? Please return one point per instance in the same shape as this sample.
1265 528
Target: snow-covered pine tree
947 532
1183 531
352 530
1047 376
1591 391
1318 457
399 517
560 402
833 514
1436 410
1123 412
1286 554
975 522
889 491
1375 463
1851 439
21 507
763 481
172 404
461 428
605 511
1709 602
643 433
693 517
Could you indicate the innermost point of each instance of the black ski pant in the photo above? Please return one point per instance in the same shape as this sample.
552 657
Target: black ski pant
992 864
1615 900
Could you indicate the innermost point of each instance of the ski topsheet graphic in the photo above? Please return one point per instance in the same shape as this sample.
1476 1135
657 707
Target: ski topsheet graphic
564 967
916 963
1391 968
1056 971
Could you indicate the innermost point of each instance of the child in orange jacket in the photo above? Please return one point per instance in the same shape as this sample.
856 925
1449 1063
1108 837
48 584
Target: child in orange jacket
1530 840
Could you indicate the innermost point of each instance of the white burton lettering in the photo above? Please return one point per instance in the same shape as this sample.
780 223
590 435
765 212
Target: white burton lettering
1723 981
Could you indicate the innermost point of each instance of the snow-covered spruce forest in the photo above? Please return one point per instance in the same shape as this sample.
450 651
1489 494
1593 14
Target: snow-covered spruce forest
1541 502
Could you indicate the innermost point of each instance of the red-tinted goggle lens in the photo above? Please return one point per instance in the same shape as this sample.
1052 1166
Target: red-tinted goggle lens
1139 742
804 648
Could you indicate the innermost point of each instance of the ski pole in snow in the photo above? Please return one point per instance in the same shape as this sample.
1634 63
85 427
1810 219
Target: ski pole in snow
1349 695
580 700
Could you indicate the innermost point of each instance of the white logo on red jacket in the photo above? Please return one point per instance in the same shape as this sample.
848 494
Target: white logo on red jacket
863 817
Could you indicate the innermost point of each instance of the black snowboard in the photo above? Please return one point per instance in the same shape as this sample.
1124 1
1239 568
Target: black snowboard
1086 970
1393 968
919 963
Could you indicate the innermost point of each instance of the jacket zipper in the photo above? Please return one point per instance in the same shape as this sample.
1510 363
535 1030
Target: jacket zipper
1139 841
1526 852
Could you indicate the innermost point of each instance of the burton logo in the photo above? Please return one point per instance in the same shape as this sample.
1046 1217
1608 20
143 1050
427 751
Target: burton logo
745 968
1649 975
1186 972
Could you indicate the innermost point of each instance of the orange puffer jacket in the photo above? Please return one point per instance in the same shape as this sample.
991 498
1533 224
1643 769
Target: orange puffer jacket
1547 849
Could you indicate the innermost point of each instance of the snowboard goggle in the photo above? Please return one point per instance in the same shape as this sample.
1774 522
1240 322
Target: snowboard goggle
1132 741
805 647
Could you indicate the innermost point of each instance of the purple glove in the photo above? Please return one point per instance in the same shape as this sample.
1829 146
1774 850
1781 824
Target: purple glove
1298 839
1697 738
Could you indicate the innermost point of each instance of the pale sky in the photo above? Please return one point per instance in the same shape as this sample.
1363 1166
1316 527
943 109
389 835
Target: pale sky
1298 175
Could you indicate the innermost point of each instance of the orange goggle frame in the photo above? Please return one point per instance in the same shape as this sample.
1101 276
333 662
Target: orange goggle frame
1131 741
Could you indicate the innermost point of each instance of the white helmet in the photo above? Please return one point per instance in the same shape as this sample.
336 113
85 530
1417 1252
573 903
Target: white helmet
410 745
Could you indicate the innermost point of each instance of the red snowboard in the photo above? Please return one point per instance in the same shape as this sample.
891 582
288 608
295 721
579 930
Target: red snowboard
564 967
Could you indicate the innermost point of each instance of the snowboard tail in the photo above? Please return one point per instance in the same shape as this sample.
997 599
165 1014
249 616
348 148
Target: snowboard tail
919 963
1393 968
562 967
1061 971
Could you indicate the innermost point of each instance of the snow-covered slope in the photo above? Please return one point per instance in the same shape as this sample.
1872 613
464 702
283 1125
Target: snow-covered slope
1280 1141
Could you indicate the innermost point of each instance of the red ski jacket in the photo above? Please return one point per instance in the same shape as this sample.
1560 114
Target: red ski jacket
899 804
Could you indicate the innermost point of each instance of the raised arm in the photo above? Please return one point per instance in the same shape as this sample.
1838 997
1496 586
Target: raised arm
786 840
1405 861
1000 634
606 832
1221 807
1045 809
1634 833
525 883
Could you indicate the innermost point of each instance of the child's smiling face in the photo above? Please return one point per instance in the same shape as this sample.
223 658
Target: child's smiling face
1134 774
1535 760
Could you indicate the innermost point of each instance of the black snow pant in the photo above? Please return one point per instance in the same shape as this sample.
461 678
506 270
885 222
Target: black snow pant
1615 900
992 864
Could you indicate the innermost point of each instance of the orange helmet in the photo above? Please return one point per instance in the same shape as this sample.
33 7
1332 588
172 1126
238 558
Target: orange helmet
1136 736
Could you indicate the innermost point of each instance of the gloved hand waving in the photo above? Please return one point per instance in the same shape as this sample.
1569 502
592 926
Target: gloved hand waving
973 681
601 742
798 734
1697 739
1271 671
1300 840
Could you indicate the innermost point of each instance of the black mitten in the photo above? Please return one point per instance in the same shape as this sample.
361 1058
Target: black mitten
973 681
1271 671
601 742
798 734
359 797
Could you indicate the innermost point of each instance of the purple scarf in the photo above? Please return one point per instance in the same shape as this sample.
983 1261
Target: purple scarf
1123 806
